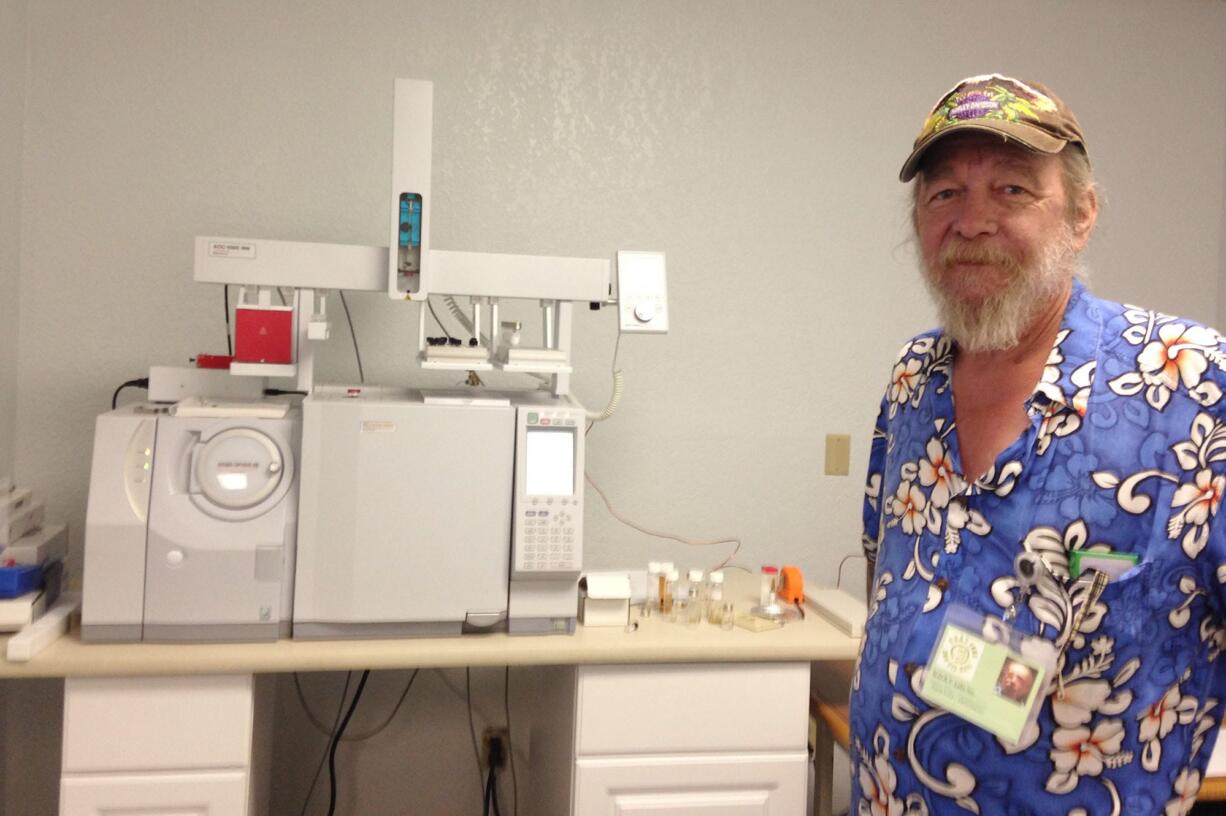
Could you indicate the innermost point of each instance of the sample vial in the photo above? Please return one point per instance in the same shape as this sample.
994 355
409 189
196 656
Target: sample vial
727 616
668 601
651 601
769 586
715 598
666 568
695 603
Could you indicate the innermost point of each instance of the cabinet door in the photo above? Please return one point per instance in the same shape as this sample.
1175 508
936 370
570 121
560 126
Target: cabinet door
723 785
211 793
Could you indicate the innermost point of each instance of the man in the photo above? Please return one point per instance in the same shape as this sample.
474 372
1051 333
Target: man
1040 420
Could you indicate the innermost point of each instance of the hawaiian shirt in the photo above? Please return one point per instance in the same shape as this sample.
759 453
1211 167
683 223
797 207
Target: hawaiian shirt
1125 452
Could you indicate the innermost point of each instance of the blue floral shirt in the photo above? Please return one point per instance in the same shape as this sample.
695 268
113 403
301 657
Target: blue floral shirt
1125 452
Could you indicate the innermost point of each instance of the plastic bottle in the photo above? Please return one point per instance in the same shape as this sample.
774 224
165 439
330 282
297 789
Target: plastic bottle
715 598
695 602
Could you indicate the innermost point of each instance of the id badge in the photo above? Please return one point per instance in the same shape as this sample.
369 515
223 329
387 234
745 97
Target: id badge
988 674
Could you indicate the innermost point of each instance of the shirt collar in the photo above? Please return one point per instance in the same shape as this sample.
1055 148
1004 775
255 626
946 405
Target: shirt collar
1069 373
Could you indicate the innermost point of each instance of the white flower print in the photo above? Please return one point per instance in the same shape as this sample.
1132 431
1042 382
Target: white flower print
1200 500
903 380
878 779
1158 720
908 508
1187 785
1178 355
937 472
1078 752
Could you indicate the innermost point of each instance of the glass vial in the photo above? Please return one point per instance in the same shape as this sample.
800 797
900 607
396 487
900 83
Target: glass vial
715 598
695 602
662 589
668 604
769 585
651 600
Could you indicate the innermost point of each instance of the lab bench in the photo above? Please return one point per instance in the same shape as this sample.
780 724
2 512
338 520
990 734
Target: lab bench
621 713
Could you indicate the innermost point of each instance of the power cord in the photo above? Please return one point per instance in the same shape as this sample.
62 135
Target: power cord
225 292
472 729
340 707
491 778
506 707
140 382
353 334
619 385
668 536
336 741
374 732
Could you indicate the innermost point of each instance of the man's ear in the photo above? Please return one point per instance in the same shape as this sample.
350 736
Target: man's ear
1085 216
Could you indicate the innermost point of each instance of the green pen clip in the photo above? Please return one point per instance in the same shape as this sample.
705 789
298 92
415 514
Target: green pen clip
1112 564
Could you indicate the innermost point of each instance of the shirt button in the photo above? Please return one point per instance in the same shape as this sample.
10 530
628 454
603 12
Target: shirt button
942 584
900 755
909 668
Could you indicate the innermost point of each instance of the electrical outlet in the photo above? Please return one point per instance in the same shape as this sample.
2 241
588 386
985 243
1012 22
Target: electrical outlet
488 736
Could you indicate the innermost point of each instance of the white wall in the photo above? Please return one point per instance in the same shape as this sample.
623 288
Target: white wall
12 120
756 143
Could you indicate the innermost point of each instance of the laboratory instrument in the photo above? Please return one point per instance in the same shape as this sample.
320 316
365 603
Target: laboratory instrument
390 511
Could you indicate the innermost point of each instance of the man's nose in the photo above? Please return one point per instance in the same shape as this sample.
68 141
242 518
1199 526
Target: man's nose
977 215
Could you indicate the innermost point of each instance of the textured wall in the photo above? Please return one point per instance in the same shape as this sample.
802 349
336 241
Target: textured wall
756 143
12 118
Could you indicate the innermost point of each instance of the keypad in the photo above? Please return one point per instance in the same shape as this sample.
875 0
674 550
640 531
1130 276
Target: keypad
548 539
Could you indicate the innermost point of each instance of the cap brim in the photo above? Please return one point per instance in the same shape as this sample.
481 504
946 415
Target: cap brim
1019 132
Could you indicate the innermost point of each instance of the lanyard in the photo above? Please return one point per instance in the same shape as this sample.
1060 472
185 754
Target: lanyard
1027 567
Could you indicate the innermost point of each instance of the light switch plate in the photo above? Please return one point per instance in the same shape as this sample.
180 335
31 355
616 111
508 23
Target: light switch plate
642 292
838 454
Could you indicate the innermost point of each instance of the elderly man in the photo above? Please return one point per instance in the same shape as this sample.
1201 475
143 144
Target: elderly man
1085 437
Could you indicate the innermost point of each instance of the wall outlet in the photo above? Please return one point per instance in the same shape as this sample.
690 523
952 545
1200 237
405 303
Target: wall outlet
488 736
838 454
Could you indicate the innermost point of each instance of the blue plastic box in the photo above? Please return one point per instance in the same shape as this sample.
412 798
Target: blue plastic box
17 581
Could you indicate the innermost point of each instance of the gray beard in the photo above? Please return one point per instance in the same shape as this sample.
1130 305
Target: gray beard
998 321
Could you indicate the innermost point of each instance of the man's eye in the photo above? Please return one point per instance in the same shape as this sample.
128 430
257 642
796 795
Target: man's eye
942 195
1014 189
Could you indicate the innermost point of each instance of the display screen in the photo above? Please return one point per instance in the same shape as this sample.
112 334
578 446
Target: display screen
551 462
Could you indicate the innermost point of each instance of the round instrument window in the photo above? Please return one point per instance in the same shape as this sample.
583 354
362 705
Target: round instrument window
239 468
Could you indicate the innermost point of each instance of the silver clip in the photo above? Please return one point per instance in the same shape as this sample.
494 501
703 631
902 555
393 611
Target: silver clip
1026 568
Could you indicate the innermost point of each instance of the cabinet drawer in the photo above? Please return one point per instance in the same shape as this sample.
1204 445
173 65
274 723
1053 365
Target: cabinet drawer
156 723
728 785
216 793
692 708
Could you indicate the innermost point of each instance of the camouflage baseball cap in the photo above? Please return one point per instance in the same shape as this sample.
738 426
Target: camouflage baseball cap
1023 112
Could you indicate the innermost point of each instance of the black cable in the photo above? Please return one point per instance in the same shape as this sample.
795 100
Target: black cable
430 306
279 392
340 707
472 729
336 741
356 353
229 344
374 732
494 790
488 793
506 707
140 382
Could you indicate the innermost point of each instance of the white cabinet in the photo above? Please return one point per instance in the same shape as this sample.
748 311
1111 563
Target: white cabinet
715 739
203 793
153 745
722 784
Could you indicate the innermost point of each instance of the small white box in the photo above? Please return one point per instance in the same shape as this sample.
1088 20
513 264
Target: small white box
45 544
12 502
21 522
604 600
